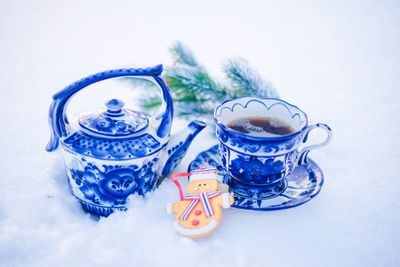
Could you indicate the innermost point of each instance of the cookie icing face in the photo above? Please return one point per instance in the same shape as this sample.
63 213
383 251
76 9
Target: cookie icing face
200 186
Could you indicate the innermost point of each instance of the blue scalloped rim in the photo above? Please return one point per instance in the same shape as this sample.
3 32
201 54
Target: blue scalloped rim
257 138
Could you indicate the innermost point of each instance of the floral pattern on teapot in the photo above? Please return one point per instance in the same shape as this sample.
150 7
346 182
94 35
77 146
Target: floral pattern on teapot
117 152
112 185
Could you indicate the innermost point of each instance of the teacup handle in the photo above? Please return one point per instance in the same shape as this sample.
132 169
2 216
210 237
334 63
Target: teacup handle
303 154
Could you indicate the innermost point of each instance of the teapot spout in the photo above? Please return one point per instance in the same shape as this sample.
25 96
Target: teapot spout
178 145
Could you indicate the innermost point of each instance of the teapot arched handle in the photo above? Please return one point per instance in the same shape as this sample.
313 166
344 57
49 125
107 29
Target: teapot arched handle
57 116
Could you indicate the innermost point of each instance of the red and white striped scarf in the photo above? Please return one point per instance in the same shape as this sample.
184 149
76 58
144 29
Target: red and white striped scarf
204 198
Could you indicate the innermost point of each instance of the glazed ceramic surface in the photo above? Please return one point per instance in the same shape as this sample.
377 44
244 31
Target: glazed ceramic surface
116 151
263 161
301 185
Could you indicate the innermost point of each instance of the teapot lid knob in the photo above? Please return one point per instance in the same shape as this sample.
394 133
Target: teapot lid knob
113 122
114 105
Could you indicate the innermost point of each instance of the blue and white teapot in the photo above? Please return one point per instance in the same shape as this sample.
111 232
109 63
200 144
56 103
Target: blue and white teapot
117 152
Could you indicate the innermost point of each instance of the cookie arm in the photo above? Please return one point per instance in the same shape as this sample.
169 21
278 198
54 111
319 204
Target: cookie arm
227 200
224 200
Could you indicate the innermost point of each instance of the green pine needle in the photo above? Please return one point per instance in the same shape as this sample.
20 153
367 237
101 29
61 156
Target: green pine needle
183 55
194 81
195 93
246 80
151 102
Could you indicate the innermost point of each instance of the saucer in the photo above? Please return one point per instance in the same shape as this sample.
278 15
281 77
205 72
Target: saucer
303 184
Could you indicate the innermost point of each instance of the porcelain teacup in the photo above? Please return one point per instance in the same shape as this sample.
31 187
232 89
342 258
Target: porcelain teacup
263 161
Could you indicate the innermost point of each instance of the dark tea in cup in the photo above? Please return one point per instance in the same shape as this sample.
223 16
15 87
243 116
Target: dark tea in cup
261 126
262 142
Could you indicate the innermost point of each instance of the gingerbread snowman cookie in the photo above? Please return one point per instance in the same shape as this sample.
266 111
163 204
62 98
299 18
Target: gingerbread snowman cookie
199 212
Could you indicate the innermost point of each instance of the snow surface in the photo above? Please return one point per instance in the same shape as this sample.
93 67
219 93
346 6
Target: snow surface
337 60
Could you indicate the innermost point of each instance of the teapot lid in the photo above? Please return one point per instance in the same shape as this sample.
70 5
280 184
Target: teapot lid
115 121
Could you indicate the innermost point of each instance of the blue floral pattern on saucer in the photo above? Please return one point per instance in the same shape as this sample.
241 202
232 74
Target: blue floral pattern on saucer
303 184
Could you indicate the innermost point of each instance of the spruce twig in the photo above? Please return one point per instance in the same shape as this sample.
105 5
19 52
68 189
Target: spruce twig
195 93
246 80
183 55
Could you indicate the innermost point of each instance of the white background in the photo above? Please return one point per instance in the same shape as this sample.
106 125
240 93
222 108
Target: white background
337 60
